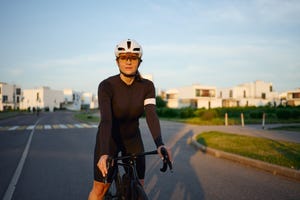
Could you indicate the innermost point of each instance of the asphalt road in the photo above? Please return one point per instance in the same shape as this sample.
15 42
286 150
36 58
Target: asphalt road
59 164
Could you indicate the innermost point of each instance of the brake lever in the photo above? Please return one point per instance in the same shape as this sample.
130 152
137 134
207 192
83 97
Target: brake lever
166 161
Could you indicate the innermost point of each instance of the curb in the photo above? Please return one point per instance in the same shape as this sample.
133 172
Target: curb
271 168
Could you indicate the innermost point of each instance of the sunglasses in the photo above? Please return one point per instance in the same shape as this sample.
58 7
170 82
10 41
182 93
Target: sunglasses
131 58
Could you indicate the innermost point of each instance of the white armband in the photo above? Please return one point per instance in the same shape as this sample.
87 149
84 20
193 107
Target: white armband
150 101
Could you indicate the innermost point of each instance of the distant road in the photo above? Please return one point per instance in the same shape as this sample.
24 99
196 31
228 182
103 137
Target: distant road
59 165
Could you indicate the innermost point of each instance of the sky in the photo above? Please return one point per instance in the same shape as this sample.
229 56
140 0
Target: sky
223 43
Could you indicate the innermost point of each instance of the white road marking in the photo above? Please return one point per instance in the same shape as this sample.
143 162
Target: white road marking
63 126
47 127
78 125
31 127
12 185
13 128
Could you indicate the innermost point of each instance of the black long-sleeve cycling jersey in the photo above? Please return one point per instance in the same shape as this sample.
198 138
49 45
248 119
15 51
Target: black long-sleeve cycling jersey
121 106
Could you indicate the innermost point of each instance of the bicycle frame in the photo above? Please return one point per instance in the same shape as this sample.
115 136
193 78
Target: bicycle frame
130 170
136 189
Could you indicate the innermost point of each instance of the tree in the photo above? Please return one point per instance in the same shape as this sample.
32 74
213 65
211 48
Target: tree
160 103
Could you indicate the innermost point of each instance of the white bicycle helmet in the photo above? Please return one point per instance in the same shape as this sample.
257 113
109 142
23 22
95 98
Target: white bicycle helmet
128 46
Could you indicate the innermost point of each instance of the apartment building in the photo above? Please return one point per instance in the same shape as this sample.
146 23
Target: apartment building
89 100
257 93
72 100
197 96
10 96
42 98
293 97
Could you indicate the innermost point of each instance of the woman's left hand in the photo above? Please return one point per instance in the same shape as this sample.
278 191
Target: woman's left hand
168 151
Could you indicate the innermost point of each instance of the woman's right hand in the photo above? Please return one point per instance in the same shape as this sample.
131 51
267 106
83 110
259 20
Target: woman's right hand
102 165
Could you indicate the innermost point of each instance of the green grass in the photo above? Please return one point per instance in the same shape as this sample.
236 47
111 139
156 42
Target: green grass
276 152
86 117
5 115
199 121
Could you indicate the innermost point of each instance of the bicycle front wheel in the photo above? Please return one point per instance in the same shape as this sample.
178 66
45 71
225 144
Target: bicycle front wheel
114 190
111 192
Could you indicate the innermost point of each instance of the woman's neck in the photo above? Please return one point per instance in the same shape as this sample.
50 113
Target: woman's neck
127 80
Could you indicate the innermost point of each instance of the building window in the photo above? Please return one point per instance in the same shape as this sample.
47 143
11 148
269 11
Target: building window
37 96
0 90
18 91
221 94
230 93
245 94
271 88
263 95
204 93
296 95
18 99
171 96
4 98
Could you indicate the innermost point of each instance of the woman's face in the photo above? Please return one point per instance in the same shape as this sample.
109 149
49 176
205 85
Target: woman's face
128 63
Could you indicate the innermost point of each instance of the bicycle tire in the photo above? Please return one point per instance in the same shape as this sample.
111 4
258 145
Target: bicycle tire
113 191
140 193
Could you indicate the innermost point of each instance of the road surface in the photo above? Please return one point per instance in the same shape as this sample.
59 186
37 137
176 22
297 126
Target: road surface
60 155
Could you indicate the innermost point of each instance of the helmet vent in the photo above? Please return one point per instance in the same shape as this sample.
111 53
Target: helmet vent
136 49
121 49
128 44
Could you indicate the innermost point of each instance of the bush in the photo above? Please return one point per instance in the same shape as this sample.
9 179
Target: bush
167 112
186 112
251 114
283 113
256 114
209 115
160 103
295 113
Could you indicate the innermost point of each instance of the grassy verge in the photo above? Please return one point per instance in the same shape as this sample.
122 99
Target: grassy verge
276 152
86 117
231 121
5 115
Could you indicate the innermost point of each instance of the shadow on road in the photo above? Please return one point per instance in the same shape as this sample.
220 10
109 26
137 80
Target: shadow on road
183 183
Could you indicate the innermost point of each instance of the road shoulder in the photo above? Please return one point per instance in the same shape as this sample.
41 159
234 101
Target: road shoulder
271 168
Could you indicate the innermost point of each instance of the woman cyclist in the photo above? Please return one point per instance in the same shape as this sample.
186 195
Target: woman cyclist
123 99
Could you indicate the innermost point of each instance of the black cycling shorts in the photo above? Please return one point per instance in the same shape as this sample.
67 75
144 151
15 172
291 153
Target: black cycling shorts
132 145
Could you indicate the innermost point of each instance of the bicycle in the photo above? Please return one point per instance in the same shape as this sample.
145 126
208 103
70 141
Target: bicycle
127 186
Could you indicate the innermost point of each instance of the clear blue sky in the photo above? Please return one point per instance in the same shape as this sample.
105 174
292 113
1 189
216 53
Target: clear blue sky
222 43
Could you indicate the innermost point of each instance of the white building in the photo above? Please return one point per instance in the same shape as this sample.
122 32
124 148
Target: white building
197 96
72 100
292 98
89 100
10 96
257 93
42 98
